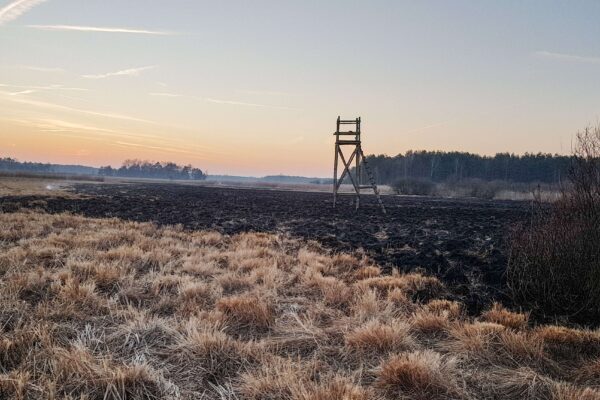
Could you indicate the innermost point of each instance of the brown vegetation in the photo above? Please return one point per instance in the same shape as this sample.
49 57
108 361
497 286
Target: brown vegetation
554 266
107 309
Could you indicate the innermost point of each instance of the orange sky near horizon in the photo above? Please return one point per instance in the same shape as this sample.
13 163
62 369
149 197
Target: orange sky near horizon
255 89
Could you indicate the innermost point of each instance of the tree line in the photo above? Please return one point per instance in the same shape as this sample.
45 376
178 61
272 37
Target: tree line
156 170
10 164
439 166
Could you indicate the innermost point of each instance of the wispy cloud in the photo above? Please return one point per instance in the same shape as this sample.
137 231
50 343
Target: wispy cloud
67 126
264 92
151 147
124 72
47 87
43 104
567 57
221 101
165 94
113 137
241 103
100 29
61 125
21 92
15 9
41 69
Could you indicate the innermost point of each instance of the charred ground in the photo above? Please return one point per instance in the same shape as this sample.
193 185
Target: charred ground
461 241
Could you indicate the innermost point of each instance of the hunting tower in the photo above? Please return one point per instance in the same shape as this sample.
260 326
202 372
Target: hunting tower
351 138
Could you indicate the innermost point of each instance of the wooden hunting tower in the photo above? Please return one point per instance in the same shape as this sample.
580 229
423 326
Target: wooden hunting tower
351 138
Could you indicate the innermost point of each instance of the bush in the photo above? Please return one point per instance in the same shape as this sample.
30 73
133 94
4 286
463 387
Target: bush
554 262
485 190
410 186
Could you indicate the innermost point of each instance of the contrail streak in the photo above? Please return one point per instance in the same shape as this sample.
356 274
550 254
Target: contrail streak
99 29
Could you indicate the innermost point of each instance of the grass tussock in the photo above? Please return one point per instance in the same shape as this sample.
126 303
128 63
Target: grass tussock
420 375
247 312
500 315
376 337
107 309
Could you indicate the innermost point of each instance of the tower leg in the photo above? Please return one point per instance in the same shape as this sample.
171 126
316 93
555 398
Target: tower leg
357 171
335 174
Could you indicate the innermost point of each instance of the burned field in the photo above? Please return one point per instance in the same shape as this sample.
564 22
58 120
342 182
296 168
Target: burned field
309 306
460 241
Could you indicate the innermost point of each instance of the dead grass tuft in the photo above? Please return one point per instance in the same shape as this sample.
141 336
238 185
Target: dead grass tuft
522 383
429 323
232 282
500 315
247 312
570 392
206 355
419 287
370 271
338 387
566 342
197 296
380 338
420 375
450 309
278 379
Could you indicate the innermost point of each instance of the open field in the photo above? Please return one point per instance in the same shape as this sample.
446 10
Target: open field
459 241
28 175
109 309
11 185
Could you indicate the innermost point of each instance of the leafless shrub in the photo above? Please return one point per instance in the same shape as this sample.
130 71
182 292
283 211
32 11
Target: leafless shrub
554 264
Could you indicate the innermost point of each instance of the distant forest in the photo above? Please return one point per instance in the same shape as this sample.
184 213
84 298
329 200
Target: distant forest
10 164
437 166
434 166
156 170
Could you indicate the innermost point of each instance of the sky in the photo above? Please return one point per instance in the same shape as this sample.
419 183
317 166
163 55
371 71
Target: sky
254 88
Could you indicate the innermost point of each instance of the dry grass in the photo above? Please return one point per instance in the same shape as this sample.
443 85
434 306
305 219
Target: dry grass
376 337
247 312
34 186
107 309
420 375
502 316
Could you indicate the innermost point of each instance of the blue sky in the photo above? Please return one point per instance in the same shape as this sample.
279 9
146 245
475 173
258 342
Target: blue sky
255 87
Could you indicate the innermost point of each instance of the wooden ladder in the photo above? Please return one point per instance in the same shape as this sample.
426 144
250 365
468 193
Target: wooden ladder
372 181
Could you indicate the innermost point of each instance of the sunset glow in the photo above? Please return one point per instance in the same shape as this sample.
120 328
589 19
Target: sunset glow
254 88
